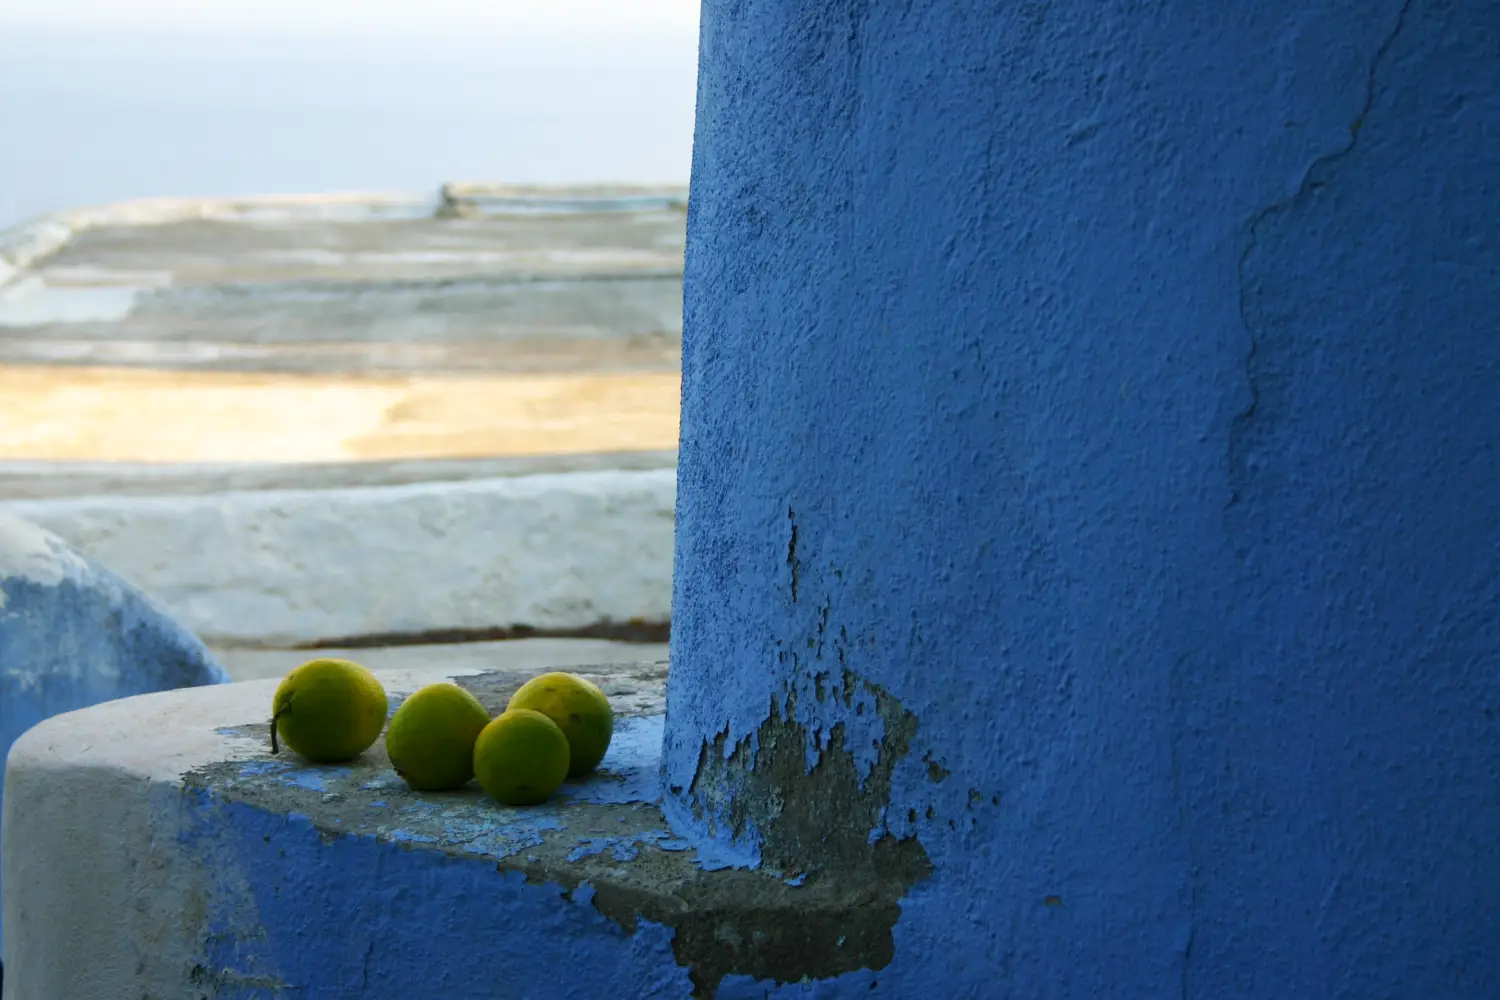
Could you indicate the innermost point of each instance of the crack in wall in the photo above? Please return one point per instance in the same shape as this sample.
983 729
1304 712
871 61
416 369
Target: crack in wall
1240 422
1181 699
791 552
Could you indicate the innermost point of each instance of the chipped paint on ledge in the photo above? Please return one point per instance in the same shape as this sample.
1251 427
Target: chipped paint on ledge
263 875
602 844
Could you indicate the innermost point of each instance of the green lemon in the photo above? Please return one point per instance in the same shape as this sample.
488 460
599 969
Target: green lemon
521 758
328 710
580 710
431 737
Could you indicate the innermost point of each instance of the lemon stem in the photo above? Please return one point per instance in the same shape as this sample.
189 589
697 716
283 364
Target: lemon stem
275 719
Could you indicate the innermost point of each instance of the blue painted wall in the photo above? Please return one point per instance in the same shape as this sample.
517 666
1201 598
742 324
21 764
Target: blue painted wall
73 634
1116 389
300 911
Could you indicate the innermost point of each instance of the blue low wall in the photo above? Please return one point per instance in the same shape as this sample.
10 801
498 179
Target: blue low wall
72 634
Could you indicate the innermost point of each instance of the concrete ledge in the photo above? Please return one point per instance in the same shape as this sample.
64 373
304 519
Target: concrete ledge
461 198
188 861
40 479
286 567
24 245
535 655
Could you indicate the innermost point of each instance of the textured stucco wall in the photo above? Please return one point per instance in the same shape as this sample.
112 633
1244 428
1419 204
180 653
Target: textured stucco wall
1089 467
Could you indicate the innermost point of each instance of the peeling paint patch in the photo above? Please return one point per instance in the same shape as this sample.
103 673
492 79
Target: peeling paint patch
830 822
618 848
833 830
635 738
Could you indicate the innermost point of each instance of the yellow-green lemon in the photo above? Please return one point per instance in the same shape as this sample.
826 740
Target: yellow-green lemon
431 737
580 710
521 758
328 710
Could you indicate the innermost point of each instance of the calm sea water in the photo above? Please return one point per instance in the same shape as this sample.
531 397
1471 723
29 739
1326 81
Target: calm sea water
90 118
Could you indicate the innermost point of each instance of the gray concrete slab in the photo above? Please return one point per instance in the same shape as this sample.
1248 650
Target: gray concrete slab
513 656
215 251
42 480
468 198
556 554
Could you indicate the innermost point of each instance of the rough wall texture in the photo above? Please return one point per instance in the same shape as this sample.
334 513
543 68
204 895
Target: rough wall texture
1089 424
72 634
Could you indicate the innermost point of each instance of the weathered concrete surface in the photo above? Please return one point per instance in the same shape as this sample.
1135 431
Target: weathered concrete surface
188 861
458 657
543 326
72 634
23 245
565 282
1089 476
136 415
217 347
468 198
279 567
38 480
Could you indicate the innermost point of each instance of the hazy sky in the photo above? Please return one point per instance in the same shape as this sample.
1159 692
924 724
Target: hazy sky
454 18
104 100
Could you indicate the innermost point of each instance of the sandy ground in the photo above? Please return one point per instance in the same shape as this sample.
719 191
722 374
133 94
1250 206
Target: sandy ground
141 415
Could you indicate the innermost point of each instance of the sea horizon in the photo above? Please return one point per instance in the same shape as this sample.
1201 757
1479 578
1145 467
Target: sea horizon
90 117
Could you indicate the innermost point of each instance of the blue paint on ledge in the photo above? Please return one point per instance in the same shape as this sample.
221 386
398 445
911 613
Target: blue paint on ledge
1116 389
351 917
255 832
